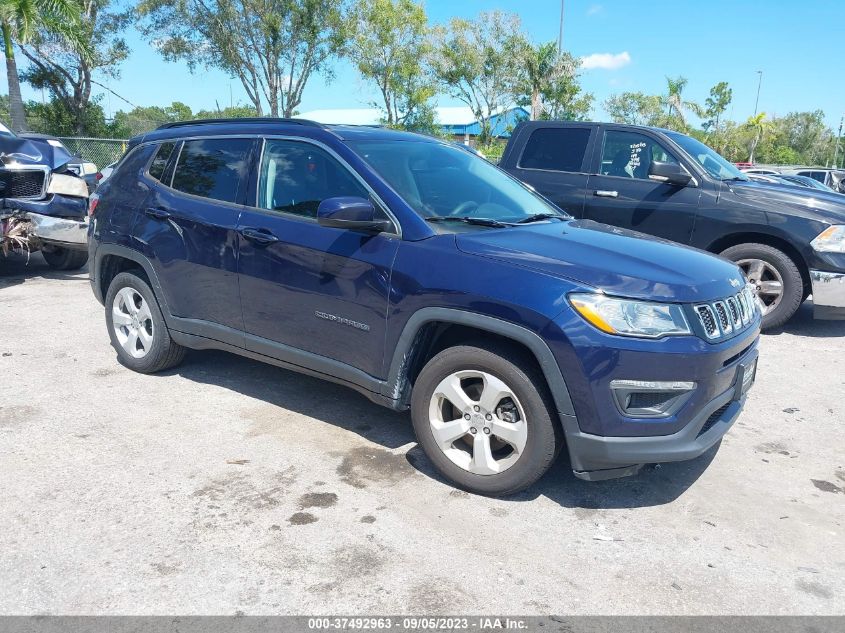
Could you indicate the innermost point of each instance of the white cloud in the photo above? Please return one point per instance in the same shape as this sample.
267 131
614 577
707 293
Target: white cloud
606 61
595 10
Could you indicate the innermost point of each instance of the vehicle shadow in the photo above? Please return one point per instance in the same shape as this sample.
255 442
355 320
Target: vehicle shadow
803 324
351 411
17 268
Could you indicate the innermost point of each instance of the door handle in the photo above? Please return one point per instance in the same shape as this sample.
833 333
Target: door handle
604 193
157 213
259 236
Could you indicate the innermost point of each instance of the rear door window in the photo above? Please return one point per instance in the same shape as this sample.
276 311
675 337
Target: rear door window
213 168
556 149
159 162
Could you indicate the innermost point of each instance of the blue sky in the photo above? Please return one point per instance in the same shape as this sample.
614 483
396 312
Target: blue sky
634 44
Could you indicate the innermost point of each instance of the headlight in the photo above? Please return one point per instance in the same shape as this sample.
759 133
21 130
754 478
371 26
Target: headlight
68 186
831 240
629 317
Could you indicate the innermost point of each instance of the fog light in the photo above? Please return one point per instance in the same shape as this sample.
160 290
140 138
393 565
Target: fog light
650 398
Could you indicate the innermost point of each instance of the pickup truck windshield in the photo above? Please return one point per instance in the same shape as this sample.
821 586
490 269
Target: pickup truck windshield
439 181
715 165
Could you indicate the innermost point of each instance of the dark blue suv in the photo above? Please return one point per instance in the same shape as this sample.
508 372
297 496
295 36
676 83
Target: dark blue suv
427 279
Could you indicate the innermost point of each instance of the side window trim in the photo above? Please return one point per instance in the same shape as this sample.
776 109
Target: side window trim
374 197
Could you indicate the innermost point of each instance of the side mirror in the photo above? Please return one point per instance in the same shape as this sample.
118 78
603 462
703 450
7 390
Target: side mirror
670 173
347 212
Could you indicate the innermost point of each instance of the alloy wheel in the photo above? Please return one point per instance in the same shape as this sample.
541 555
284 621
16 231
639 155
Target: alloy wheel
478 422
132 322
766 282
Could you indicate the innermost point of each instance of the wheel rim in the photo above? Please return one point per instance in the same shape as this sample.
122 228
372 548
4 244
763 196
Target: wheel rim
478 422
766 282
132 322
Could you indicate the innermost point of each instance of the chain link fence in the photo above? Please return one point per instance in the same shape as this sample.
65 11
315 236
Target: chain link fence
100 151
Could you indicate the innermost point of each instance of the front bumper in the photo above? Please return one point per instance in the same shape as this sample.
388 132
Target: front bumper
828 294
69 233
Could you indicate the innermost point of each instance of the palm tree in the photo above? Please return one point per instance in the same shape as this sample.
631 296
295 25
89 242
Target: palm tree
675 103
758 125
542 65
20 20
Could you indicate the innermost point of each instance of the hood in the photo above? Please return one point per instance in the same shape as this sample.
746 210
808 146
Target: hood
809 203
617 261
32 152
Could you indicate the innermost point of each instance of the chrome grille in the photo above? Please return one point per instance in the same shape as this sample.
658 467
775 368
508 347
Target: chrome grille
726 316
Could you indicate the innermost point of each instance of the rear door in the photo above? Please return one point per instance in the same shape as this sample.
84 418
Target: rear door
620 192
188 230
554 161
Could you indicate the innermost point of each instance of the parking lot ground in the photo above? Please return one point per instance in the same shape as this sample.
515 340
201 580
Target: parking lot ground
227 486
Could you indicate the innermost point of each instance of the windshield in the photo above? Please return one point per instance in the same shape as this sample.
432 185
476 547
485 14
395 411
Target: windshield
438 180
709 159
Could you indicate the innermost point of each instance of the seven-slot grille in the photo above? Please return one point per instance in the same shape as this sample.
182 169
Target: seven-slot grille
723 317
22 183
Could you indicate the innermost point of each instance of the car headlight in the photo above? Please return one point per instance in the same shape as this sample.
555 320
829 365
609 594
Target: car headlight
831 240
67 186
629 317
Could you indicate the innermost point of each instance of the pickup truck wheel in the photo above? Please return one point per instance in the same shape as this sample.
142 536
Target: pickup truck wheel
136 327
484 421
64 258
775 278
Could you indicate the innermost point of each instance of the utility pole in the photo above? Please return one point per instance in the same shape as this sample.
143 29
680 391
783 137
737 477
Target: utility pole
759 82
560 35
836 146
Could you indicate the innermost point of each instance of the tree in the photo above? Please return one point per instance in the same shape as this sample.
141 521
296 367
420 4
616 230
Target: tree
716 104
66 71
548 83
389 45
677 106
541 65
272 46
758 126
477 63
19 20
635 108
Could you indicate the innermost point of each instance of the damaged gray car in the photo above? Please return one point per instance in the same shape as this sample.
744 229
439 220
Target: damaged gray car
44 205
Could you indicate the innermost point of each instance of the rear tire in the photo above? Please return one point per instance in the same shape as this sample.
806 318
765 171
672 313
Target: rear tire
136 326
778 270
61 258
504 395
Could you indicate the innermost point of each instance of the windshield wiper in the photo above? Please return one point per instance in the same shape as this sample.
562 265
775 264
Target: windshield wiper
469 220
537 217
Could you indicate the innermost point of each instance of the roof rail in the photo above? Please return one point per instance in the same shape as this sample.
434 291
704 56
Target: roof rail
167 126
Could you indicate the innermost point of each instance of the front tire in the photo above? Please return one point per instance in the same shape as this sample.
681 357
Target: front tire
775 277
136 326
60 258
484 420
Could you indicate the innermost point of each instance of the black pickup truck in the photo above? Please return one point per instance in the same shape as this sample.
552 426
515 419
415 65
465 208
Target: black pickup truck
789 243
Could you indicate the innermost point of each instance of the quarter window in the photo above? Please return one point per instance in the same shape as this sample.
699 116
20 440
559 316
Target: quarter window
630 155
213 168
296 177
161 159
557 149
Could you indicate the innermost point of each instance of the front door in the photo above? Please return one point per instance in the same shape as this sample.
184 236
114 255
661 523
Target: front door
620 191
305 286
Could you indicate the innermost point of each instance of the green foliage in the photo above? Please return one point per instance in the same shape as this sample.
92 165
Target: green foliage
635 108
548 83
478 63
389 44
272 46
716 104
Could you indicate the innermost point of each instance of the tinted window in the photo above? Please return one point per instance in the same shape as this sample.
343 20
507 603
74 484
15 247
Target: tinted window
629 155
296 177
159 163
559 149
212 168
